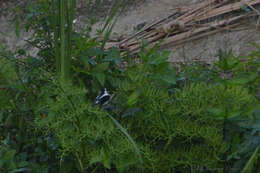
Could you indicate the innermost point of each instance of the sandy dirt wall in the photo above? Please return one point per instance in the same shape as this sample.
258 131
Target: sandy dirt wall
146 11
240 41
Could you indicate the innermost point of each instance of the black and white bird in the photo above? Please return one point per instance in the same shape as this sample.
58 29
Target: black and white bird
103 98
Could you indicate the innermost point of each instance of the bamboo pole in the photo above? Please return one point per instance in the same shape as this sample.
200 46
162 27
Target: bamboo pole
226 9
187 26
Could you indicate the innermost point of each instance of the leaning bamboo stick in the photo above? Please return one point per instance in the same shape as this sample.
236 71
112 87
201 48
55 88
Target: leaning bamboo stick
196 37
137 45
190 20
180 20
226 9
188 34
200 30
198 8
148 27
201 5
134 40
205 11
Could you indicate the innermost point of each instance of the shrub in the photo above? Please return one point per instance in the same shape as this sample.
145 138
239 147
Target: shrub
184 133
172 122
85 132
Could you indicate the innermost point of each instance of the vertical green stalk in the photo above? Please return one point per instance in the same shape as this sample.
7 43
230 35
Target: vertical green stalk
56 19
70 11
62 40
80 163
63 14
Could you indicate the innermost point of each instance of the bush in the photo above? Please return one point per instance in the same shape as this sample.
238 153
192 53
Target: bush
175 129
200 118
84 132
182 131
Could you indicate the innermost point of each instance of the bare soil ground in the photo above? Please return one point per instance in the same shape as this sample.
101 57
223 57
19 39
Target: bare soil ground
148 11
240 41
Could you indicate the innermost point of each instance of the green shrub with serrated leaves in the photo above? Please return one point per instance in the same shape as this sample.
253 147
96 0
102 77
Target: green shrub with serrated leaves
183 131
85 132
158 120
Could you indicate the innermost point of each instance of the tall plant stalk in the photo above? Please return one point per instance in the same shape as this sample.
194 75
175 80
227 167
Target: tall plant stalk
63 13
62 50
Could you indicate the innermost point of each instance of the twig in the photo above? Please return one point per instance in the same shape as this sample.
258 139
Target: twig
147 27
255 10
199 36
226 9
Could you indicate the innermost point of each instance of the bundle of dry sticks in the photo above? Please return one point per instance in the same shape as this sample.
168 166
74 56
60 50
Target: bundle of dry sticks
190 23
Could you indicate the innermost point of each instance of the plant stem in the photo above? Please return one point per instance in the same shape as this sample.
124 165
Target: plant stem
95 169
62 39
56 34
80 163
167 144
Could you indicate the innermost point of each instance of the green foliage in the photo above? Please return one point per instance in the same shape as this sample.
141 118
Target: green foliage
250 164
185 130
94 67
200 118
84 131
7 72
7 75
240 71
9 163
229 70
187 125
22 80
175 130
241 125
40 21
244 134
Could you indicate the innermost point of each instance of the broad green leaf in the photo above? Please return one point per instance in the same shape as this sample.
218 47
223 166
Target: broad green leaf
101 157
102 67
169 78
91 52
132 98
161 68
233 114
113 55
106 160
78 70
84 61
101 78
95 159
239 81
160 59
107 163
